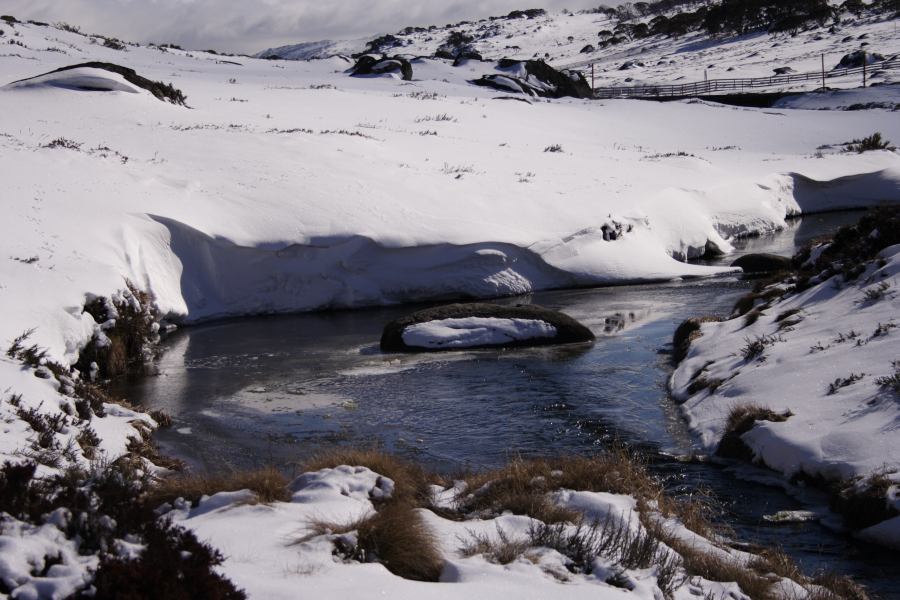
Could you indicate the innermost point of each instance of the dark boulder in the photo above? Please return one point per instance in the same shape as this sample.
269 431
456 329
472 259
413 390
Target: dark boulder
763 263
369 65
568 330
859 58
467 54
588 49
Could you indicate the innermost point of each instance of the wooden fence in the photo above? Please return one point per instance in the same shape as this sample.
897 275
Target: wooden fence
712 86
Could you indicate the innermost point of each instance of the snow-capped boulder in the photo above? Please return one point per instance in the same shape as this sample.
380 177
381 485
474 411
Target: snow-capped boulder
481 325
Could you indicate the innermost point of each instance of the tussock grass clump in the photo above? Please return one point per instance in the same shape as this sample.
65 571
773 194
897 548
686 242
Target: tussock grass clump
501 550
876 292
686 333
742 419
395 535
842 382
865 503
615 541
891 382
269 485
756 347
522 485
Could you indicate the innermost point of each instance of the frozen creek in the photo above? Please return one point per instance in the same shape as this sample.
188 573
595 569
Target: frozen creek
272 390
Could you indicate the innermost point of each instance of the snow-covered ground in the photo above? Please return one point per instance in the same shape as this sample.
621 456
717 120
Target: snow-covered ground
273 550
290 186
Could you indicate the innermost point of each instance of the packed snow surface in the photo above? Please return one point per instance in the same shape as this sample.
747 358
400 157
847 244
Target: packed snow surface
475 331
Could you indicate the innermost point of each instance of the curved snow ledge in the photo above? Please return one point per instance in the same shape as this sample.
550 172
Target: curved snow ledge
196 277
853 191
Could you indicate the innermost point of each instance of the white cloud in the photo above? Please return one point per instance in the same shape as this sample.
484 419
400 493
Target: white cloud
252 25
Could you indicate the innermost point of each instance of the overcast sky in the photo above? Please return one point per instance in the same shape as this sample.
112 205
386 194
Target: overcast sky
253 25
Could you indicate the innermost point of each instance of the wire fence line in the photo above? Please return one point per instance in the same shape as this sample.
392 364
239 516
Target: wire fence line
712 86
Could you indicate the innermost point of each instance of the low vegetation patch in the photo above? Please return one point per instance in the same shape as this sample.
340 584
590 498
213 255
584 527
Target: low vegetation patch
269 485
869 143
891 382
842 382
754 348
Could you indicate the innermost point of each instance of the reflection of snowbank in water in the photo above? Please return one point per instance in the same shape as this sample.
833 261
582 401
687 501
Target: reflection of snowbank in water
475 331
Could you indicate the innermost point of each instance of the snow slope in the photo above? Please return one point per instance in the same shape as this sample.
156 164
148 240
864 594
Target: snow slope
824 367
291 186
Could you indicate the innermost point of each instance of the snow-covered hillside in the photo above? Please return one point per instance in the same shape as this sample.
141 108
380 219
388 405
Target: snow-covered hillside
573 40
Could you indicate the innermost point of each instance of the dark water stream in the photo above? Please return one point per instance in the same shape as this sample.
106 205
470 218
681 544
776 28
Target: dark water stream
273 390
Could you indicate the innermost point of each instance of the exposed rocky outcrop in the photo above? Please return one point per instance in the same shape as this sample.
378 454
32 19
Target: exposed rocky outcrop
370 65
536 78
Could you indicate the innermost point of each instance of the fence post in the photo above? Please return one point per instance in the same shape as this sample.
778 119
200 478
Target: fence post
865 60
592 76
823 71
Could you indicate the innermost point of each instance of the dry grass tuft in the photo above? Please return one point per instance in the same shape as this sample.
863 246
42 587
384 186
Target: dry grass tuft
522 485
741 419
267 483
395 536
709 566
